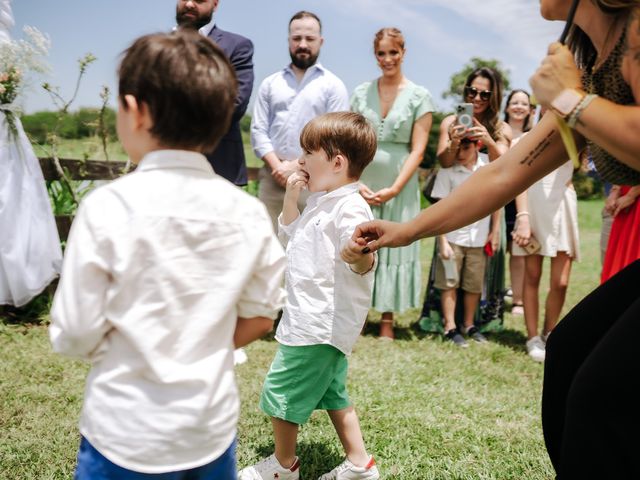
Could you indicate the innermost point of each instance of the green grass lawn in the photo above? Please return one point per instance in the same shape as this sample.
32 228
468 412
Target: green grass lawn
428 410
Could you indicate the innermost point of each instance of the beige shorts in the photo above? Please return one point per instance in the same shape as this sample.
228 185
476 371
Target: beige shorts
470 262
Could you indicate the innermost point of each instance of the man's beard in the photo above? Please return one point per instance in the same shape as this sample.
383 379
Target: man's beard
303 63
194 23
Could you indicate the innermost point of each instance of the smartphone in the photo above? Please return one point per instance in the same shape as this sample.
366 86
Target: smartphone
533 246
464 114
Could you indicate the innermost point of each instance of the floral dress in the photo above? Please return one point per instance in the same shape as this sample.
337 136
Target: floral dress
398 275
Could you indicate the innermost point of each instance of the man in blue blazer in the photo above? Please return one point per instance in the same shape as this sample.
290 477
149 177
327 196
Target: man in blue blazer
228 159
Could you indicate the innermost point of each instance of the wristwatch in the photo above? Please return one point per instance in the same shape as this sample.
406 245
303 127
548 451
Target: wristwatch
566 102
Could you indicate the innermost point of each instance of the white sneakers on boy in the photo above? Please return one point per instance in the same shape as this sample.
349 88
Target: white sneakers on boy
348 471
536 348
270 469
239 356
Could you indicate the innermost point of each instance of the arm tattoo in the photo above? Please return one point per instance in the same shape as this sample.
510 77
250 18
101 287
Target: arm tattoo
537 150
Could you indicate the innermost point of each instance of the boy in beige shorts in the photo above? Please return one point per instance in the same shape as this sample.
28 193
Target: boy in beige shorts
462 257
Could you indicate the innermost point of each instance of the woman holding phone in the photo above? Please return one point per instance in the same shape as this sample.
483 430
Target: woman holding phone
482 89
592 373
483 93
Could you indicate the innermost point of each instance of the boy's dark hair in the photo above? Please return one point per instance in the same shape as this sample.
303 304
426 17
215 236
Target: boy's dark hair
304 14
346 133
186 82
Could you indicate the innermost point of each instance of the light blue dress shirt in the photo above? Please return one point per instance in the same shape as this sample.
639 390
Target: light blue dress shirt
284 106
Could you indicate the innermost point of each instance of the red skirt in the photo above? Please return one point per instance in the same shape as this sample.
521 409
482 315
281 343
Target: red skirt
624 241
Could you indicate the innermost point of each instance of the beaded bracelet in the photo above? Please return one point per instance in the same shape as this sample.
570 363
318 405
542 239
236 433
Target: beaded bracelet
572 119
520 214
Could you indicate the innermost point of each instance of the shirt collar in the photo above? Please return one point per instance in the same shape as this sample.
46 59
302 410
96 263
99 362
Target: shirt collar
316 66
321 197
174 159
206 30
460 168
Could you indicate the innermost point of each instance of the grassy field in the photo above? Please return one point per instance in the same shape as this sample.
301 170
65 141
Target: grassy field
428 410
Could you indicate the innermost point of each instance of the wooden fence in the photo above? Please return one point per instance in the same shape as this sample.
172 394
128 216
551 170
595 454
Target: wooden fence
91 170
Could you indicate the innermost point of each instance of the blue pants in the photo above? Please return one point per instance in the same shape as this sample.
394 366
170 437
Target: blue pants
92 465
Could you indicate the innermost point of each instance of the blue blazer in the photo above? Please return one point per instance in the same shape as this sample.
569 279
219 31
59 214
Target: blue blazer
228 158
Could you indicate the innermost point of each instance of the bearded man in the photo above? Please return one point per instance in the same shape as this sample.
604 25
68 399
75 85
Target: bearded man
286 101
228 159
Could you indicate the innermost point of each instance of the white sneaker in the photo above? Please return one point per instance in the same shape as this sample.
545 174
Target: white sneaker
239 356
269 469
536 348
348 471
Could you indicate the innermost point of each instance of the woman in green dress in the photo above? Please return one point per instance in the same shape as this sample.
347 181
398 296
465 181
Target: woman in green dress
401 113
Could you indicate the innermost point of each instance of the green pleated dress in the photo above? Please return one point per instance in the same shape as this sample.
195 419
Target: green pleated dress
398 275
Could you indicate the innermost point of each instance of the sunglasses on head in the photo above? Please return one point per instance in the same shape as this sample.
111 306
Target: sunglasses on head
472 92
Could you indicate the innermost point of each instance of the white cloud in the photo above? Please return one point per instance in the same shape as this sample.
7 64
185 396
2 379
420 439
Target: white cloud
523 32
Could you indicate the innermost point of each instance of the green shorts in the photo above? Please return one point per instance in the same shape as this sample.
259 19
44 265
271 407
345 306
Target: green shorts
304 379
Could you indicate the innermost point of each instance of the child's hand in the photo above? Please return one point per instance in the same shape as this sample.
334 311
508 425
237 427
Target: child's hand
296 182
352 251
446 252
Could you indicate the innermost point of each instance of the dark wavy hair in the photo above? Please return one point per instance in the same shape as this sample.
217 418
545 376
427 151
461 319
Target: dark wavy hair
490 118
580 43
527 121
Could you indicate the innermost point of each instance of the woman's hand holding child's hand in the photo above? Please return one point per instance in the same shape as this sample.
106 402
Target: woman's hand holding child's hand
351 253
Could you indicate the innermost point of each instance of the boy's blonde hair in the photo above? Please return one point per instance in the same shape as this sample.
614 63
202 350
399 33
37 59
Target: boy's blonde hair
345 133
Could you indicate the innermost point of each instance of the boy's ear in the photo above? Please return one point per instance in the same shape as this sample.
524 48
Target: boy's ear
340 163
139 111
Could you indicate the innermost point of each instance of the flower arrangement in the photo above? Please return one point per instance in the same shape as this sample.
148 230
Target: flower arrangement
18 58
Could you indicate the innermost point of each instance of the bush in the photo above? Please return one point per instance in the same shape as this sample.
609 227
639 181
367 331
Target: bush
80 124
588 186
39 124
245 123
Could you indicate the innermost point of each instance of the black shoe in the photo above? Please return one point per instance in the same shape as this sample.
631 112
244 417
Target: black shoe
454 336
475 334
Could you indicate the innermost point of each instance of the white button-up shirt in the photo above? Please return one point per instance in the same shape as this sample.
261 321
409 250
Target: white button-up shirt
158 267
284 106
327 303
447 180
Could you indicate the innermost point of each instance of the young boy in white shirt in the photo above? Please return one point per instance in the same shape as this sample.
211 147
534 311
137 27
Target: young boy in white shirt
166 270
465 246
329 282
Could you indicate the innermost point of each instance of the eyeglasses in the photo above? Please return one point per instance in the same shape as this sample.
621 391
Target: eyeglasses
472 92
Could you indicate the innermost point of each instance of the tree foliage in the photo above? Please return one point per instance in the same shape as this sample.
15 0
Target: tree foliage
80 124
456 84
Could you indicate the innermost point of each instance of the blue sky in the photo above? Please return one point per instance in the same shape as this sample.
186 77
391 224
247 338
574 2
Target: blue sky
441 36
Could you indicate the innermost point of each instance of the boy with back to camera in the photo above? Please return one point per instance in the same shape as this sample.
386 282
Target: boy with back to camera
464 248
166 270
329 282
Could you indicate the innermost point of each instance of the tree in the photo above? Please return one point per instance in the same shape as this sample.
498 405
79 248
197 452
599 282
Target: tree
458 79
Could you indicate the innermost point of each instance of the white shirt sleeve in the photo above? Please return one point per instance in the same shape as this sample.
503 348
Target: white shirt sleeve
78 322
349 217
286 231
442 185
260 140
264 295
